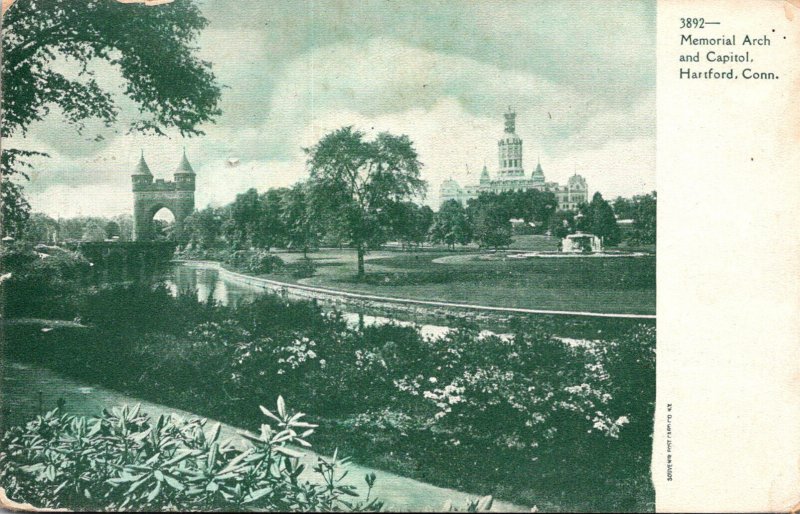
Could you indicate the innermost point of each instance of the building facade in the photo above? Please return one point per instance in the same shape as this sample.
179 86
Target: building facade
511 176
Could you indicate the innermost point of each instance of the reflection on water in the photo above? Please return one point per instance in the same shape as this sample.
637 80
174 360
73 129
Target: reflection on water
207 283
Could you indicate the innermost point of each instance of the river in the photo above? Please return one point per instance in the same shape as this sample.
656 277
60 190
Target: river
206 282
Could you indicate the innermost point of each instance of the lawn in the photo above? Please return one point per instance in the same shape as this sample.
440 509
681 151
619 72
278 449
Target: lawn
593 284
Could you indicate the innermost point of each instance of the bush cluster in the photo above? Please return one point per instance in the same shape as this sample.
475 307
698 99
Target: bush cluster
41 281
123 460
562 409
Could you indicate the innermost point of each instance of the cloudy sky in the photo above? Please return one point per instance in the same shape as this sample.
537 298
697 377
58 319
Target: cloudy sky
581 76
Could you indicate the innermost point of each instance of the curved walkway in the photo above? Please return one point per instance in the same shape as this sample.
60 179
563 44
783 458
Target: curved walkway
326 293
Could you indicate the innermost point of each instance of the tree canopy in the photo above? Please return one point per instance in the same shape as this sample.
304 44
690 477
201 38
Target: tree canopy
353 182
152 48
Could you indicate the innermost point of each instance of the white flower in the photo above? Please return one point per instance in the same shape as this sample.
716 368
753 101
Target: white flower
432 380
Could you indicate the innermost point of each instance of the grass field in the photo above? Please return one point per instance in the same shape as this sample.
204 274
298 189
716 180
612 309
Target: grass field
594 284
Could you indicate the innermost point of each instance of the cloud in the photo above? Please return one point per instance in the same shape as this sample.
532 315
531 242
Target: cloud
580 77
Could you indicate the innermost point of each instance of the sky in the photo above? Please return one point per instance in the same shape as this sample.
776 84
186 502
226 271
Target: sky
580 75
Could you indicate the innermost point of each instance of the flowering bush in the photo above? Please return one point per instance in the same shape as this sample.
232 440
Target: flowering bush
125 461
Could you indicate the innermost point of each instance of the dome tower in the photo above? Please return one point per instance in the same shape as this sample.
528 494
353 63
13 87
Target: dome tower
509 149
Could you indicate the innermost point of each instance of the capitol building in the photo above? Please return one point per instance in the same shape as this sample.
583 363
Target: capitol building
511 176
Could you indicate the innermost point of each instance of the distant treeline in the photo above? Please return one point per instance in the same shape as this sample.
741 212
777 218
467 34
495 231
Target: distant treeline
287 218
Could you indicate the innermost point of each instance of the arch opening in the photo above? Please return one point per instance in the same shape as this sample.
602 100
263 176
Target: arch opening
163 223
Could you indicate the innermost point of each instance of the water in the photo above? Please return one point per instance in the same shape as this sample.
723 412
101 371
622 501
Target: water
206 283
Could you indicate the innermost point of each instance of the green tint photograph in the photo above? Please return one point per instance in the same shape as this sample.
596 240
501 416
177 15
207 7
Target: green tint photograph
382 255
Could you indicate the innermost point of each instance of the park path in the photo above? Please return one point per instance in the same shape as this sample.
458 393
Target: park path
25 390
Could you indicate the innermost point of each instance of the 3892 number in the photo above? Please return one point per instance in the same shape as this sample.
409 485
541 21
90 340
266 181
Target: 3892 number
693 23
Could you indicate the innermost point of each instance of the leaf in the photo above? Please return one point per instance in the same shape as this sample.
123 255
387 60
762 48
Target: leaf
154 493
255 495
212 455
139 436
235 461
286 451
268 413
136 485
179 456
303 424
158 475
251 437
215 432
173 483
281 407
347 489
212 487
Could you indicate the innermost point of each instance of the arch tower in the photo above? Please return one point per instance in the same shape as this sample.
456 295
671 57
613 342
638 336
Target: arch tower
151 195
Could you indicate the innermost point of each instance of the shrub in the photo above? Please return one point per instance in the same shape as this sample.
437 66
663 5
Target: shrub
125 461
304 268
41 284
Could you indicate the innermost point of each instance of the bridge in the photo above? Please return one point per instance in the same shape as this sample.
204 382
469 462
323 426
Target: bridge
130 258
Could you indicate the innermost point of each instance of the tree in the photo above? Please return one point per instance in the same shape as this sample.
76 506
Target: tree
112 229
597 217
353 181
40 228
125 222
152 47
409 222
245 215
624 208
94 231
271 228
298 219
645 218
451 224
204 227
492 225
561 224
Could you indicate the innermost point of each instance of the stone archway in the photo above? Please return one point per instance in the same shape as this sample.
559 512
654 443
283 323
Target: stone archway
150 196
162 222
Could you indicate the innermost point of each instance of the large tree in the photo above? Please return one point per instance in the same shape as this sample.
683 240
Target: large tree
354 180
298 219
451 224
492 223
152 48
597 217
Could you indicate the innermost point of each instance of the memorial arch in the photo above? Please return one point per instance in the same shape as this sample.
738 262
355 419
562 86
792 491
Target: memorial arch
151 195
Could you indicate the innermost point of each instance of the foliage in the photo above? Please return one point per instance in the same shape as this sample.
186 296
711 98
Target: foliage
409 223
451 225
561 224
123 460
642 210
597 218
204 227
304 268
40 281
354 181
93 231
14 209
491 221
255 261
302 230
564 410
153 49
